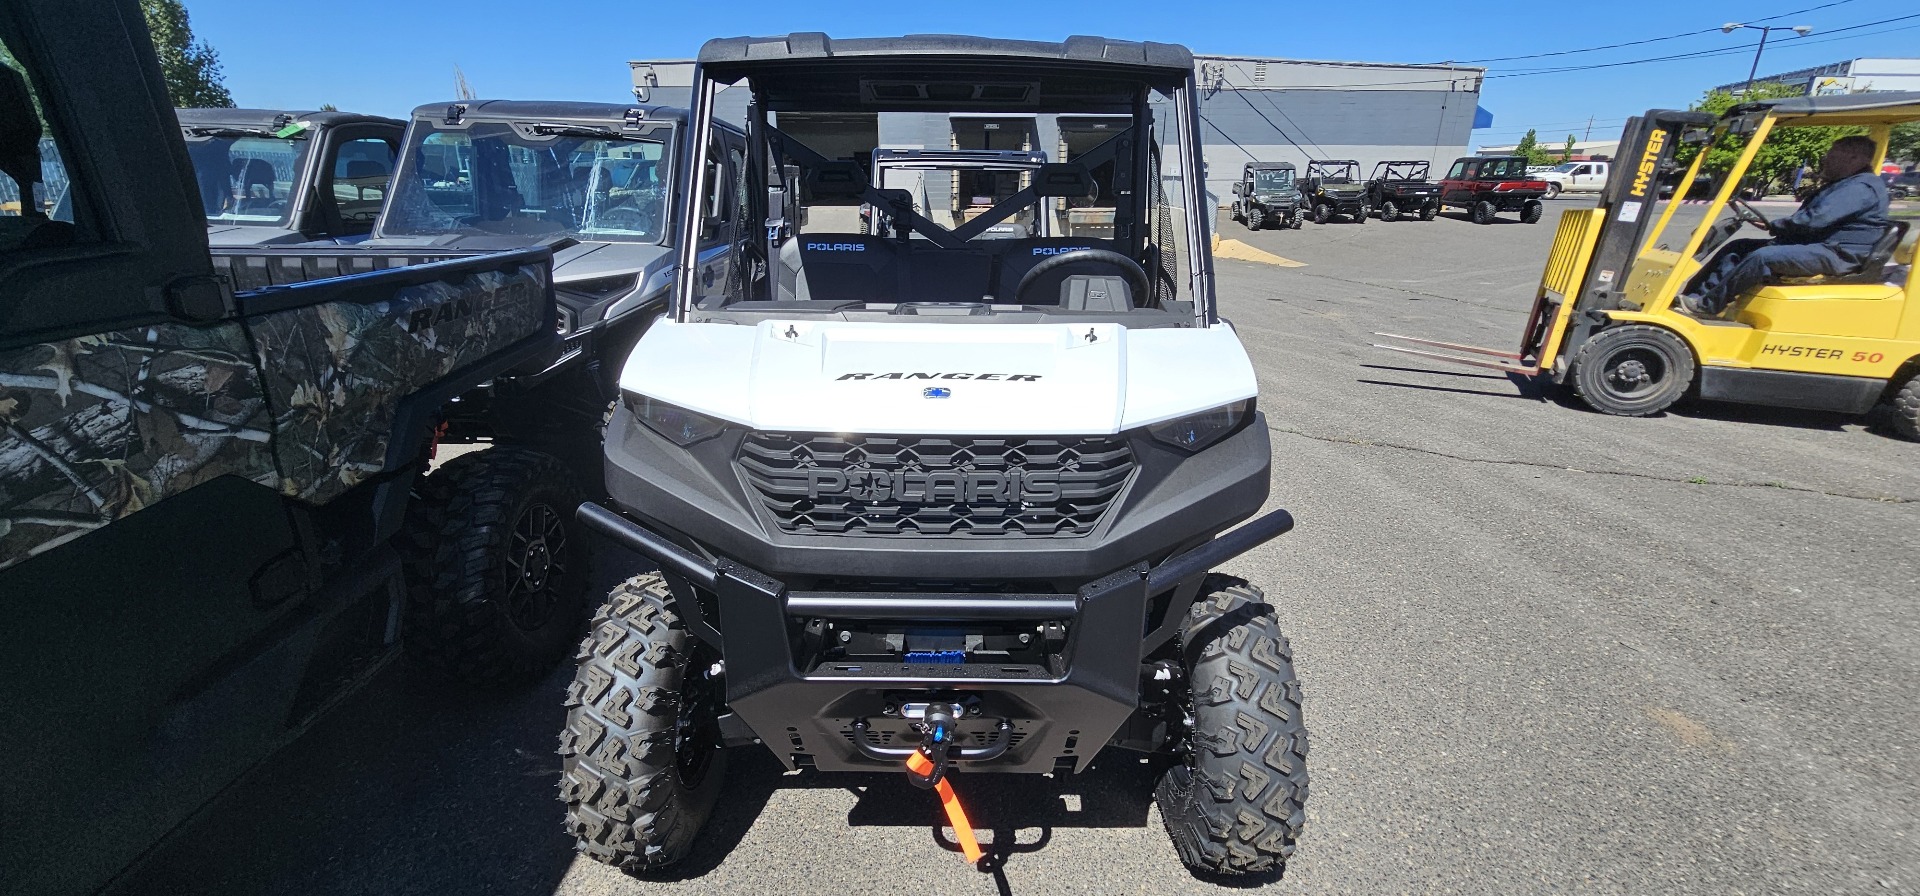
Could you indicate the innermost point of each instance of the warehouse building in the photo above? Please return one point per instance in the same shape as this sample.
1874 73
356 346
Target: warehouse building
1251 108
1846 76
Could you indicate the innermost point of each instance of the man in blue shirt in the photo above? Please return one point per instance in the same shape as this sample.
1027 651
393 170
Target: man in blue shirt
1832 233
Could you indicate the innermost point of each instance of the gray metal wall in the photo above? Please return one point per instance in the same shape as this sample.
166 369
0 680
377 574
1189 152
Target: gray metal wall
1376 125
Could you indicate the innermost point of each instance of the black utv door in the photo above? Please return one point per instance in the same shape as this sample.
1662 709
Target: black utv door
147 565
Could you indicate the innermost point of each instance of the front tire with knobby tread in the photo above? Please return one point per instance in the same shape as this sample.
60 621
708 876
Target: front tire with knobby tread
1484 212
1237 803
1389 211
636 793
1256 218
1532 211
497 566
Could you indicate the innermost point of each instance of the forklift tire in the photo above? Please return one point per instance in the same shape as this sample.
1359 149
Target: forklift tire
1632 371
1429 211
1322 213
497 567
1256 218
1483 212
641 756
1532 210
1389 211
1236 802
1901 410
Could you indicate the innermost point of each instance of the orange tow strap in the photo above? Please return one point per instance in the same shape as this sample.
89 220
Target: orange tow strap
919 764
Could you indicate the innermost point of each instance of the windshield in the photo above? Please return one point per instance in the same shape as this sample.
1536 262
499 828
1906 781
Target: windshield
1097 224
1503 168
500 178
952 195
247 180
1270 179
1565 167
1334 172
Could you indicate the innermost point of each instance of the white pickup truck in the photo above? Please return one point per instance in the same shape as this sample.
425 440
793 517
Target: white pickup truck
1574 177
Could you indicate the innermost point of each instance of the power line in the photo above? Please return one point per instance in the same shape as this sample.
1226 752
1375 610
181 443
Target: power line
1635 43
1701 54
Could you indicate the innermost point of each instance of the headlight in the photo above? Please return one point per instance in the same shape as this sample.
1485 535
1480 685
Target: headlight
1205 428
675 424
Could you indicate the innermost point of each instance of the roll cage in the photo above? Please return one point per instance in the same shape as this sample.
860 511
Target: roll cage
1330 171
1408 170
812 74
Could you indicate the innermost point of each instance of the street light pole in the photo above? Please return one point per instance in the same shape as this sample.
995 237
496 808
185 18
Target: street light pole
1730 27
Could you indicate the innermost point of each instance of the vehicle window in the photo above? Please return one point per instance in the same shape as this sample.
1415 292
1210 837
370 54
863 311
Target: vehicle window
1273 180
499 178
36 211
360 175
1459 170
246 174
1564 168
1503 168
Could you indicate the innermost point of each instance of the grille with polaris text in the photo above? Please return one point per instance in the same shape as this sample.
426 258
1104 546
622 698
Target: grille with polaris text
1022 487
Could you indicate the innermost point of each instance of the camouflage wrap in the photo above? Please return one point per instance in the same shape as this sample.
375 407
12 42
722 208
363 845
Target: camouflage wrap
336 372
96 428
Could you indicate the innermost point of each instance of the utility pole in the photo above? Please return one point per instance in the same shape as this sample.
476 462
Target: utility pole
1730 27
1589 135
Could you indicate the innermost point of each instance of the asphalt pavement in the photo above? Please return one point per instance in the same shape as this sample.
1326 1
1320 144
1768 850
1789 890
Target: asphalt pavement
1543 651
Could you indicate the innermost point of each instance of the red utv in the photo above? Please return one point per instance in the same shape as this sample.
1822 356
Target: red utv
1486 186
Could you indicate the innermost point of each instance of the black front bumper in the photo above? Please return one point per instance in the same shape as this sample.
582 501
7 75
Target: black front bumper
786 691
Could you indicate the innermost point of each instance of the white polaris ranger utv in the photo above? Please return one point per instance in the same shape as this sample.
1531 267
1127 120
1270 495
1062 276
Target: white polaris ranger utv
928 500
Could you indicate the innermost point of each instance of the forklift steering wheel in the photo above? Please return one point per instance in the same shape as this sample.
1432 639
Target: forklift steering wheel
1749 214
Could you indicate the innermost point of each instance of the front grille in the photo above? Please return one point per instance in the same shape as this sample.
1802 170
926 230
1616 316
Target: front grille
936 486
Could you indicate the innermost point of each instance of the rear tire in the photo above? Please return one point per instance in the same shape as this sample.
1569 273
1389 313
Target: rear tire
1553 190
1237 803
1532 210
497 566
1234 213
1483 212
1389 211
1322 213
1256 218
641 757
1632 371
1429 211
1901 410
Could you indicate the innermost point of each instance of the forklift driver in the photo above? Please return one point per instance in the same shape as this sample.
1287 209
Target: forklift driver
1831 234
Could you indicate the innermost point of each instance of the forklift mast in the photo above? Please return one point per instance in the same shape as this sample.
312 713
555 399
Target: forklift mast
1628 201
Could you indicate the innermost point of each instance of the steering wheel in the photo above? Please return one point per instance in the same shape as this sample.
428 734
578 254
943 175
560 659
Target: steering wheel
1136 275
1749 214
627 217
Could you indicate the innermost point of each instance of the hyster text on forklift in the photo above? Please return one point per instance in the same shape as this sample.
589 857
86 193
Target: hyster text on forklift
1605 320
938 500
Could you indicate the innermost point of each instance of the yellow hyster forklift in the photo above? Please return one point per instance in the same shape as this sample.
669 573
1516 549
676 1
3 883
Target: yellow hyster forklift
1604 318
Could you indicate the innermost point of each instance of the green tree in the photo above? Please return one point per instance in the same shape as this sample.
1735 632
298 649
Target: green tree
1566 152
1786 148
1904 144
1530 148
191 68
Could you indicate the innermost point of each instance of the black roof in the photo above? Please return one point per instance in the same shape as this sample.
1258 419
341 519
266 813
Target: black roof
551 110
815 46
266 117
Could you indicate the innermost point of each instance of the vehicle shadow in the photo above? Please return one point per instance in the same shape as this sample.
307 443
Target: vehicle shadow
1528 392
1790 418
410 786
1015 815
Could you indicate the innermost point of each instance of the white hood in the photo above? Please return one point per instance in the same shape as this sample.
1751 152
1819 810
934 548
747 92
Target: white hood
998 379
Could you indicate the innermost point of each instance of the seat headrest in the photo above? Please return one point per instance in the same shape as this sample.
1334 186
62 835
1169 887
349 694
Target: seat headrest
1071 180
836 179
359 168
259 171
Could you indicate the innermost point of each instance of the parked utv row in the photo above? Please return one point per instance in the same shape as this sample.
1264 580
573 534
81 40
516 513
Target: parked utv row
1269 194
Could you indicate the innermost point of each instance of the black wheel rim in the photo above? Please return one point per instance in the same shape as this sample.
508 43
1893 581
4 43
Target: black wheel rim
1634 372
696 727
536 566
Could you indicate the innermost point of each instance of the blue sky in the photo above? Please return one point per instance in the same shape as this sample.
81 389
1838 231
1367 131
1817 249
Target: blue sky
387 57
